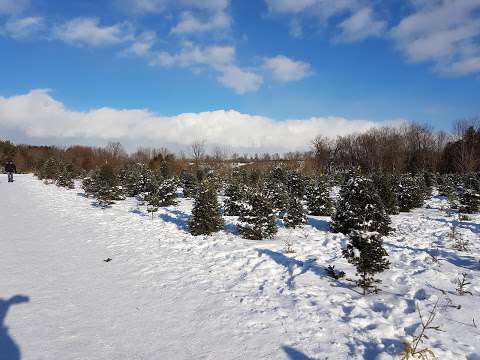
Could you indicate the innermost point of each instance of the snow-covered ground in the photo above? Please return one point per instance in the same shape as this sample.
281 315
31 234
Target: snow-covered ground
169 295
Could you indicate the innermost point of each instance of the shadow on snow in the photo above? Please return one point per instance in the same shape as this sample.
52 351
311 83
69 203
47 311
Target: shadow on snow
9 350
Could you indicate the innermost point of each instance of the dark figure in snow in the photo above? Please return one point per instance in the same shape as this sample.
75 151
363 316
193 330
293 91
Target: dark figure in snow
10 169
8 348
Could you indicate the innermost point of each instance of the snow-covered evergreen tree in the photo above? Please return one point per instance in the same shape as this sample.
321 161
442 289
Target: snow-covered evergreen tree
135 179
359 208
234 196
295 184
385 187
50 170
409 193
165 194
366 252
189 183
277 195
66 178
106 186
206 214
257 221
469 201
277 175
317 196
295 215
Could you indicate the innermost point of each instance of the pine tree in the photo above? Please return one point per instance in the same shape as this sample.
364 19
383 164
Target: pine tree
385 184
234 196
295 215
135 179
166 193
65 178
277 194
365 251
206 214
317 196
257 221
106 186
295 184
189 184
359 208
409 193
277 175
50 170
469 202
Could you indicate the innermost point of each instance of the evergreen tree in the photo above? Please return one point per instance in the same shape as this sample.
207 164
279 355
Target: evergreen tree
365 251
295 215
385 184
359 208
164 170
135 179
409 193
277 194
257 221
277 175
206 215
65 178
429 180
469 202
163 195
50 170
234 196
189 183
317 196
106 186
295 184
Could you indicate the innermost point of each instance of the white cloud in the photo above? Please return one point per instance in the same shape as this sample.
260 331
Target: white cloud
143 44
190 23
443 32
157 6
24 27
289 6
361 25
240 80
88 31
296 29
220 59
37 115
285 69
13 6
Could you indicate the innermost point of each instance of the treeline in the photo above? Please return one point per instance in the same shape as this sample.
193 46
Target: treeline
411 148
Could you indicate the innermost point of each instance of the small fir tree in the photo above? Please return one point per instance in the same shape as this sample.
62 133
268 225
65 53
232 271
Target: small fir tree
234 196
135 179
189 184
317 196
277 194
206 214
295 215
106 187
50 170
359 208
469 202
66 178
385 184
257 221
409 193
295 184
365 251
165 194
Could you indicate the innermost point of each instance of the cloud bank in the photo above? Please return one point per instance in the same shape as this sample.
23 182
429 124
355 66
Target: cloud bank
37 116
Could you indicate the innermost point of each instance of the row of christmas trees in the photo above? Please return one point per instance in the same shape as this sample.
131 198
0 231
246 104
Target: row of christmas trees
361 211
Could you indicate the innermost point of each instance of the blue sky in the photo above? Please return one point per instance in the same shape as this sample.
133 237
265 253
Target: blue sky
416 60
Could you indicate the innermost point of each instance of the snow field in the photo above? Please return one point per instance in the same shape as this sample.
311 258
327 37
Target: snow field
169 295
